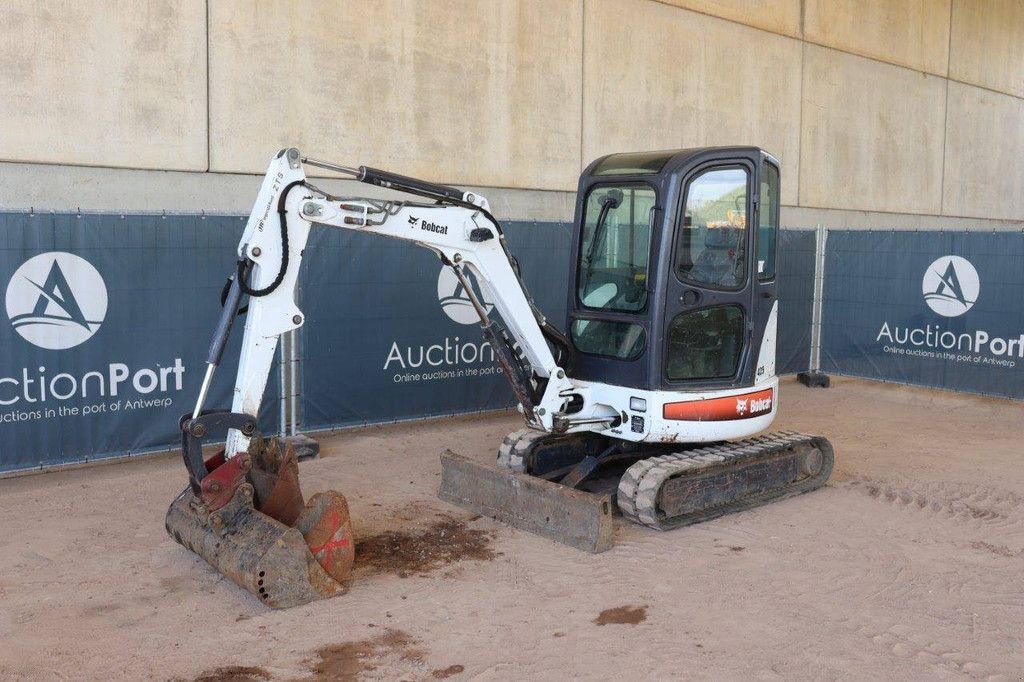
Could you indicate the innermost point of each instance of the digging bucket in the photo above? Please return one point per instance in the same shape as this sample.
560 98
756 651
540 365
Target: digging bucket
250 523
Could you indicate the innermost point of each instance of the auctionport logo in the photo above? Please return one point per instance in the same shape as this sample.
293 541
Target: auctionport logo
950 286
454 300
56 300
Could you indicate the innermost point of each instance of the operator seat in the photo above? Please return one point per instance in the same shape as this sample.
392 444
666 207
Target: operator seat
718 263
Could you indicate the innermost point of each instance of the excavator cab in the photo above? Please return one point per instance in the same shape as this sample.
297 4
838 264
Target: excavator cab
672 318
673 276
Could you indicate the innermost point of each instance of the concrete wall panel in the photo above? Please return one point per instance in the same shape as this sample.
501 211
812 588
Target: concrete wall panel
872 135
912 33
479 93
984 154
987 44
687 80
777 16
104 83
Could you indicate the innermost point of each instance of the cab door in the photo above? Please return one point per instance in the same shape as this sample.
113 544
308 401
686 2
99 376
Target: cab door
765 324
711 297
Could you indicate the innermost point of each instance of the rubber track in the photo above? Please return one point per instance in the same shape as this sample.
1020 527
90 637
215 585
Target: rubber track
640 486
516 446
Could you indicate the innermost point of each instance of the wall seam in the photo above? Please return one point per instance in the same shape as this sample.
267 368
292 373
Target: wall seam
209 139
945 113
904 213
803 39
583 79
800 122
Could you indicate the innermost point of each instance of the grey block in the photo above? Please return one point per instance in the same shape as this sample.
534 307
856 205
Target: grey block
305 447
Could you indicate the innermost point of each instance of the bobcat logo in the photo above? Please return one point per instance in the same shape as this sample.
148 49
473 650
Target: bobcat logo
413 221
741 406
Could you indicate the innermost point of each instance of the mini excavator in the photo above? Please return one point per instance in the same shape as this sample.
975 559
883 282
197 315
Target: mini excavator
649 401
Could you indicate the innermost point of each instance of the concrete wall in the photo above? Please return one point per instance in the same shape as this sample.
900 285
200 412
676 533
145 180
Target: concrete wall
684 83
104 83
487 97
872 135
883 112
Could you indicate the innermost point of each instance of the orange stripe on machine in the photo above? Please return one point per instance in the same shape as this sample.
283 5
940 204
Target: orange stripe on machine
722 409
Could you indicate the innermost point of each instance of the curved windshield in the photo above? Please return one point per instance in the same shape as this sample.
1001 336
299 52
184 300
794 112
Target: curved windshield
616 240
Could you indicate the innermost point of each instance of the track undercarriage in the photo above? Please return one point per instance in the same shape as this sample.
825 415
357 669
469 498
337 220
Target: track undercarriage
668 486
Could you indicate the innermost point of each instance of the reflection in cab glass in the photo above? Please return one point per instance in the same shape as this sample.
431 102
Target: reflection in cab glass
612 268
623 340
712 239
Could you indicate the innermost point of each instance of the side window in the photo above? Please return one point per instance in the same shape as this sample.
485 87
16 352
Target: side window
705 344
768 222
623 340
616 241
711 246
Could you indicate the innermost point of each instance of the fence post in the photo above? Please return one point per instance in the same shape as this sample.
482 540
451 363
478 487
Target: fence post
294 391
283 407
305 447
813 376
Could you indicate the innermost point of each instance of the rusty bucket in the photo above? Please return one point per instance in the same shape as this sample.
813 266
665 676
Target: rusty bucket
250 522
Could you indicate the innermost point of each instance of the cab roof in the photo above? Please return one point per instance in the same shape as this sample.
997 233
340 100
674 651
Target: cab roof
652 163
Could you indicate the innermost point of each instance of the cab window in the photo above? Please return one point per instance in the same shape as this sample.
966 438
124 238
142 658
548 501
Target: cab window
705 344
768 222
614 247
712 236
622 340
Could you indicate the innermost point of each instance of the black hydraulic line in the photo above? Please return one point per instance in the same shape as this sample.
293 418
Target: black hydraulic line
282 213
224 293
567 354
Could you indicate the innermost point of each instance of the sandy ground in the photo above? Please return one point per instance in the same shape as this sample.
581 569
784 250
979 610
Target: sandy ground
908 565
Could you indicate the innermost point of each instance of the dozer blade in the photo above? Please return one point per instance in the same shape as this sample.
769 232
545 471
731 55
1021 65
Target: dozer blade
572 517
298 557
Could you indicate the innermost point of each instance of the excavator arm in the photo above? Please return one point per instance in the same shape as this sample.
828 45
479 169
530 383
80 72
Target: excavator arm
243 510
458 227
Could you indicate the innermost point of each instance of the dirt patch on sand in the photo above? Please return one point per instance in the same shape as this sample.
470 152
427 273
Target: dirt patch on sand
234 673
406 552
998 550
346 661
622 615
442 673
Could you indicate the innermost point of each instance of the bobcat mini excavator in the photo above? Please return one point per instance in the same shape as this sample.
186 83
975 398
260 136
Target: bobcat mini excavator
665 375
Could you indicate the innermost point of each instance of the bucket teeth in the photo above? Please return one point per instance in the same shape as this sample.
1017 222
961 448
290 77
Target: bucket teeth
275 476
264 539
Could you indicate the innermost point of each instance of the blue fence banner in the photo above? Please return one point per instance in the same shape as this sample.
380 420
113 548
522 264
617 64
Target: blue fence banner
107 320
795 289
940 309
106 324
390 335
